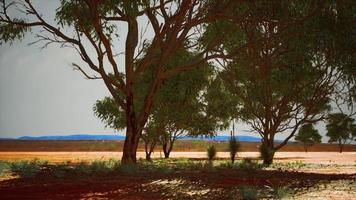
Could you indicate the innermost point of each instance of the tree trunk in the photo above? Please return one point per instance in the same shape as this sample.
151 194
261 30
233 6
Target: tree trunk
341 146
305 148
267 153
167 148
233 157
132 134
148 156
130 147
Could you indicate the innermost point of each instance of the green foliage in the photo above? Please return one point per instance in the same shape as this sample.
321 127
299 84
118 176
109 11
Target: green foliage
110 113
211 152
248 192
340 128
4 168
11 32
282 192
249 164
27 169
97 166
308 135
234 147
288 165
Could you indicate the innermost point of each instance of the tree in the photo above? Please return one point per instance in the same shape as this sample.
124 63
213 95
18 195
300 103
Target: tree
284 78
308 136
190 107
188 104
150 139
340 128
234 147
91 28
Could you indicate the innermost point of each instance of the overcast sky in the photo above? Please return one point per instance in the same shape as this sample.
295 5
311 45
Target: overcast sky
40 94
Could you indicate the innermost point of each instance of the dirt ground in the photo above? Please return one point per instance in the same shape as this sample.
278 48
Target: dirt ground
332 176
330 162
346 158
217 184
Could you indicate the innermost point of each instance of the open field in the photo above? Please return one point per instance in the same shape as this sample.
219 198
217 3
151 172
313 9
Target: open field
346 158
91 170
174 179
180 145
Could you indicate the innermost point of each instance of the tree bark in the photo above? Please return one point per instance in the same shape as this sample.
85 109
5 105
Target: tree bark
167 148
341 147
132 134
267 152
305 148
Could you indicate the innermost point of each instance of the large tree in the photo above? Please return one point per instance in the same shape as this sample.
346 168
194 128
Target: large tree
188 104
293 65
308 136
93 27
340 129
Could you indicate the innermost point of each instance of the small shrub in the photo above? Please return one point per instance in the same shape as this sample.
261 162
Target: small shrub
4 168
226 165
27 169
249 164
82 168
282 192
129 168
97 166
288 165
211 152
234 147
159 167
248 192
59 171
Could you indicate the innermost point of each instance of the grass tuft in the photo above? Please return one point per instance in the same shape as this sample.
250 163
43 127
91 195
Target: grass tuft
248 192
27 169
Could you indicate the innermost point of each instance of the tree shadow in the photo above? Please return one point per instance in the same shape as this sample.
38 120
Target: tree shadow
218 183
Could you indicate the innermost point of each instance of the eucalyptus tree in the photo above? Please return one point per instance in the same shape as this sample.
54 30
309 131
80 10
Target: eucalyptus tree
190 111
93 28
308 136
188 104
293 64
341 129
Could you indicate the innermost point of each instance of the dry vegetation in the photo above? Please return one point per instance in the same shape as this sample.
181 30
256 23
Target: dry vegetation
90 170
181 145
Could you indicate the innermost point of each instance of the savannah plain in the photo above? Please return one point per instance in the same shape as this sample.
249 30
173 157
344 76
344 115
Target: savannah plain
89 170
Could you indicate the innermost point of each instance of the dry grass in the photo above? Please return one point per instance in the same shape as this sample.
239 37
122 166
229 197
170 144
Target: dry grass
182 145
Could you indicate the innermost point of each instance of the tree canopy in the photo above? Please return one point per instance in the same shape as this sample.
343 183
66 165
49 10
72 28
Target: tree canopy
340 129
308 136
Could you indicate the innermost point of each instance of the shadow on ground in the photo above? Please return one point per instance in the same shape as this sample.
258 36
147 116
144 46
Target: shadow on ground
210 184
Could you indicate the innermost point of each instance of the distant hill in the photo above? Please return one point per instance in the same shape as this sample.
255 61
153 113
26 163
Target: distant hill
120 137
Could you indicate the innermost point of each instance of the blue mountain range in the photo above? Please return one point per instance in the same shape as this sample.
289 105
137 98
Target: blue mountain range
120 137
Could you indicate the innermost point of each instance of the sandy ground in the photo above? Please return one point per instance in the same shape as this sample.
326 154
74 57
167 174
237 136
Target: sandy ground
346 158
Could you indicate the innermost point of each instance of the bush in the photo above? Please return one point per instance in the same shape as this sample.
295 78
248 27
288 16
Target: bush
282 192
248 164
97 166
248 192
211 152
59 170
288 165
27 169
234 147
129 169
4 168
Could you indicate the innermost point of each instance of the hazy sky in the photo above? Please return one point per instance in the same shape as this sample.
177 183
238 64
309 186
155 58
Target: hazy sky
40 94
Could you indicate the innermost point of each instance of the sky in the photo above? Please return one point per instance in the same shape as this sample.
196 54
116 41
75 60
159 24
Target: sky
40 94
